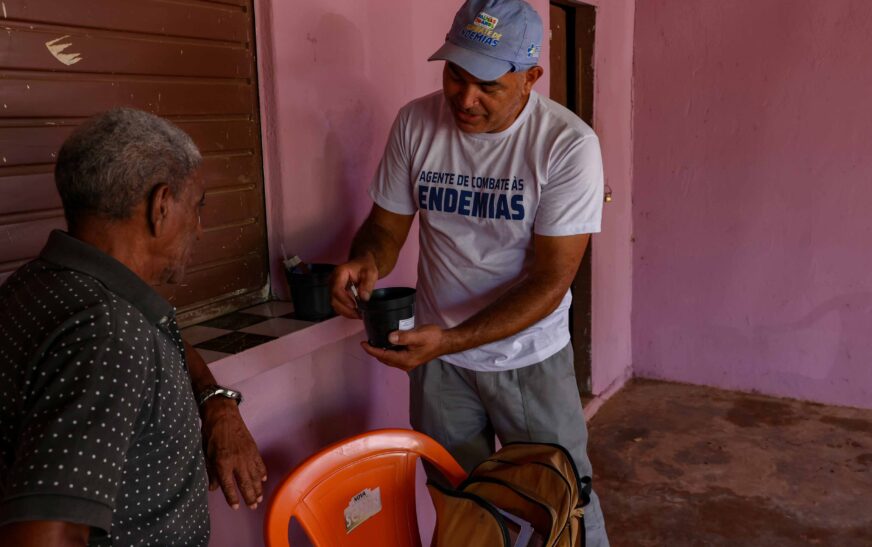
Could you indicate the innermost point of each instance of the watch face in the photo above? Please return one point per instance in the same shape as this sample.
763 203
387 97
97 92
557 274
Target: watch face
232 394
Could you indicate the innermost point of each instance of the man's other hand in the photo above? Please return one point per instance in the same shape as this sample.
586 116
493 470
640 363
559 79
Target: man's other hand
232 458
422 345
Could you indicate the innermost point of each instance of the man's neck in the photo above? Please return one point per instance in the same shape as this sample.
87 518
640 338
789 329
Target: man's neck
524 101
517 114
122 241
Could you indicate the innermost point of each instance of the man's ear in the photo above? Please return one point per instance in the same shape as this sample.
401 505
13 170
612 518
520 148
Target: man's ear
159 209
531 76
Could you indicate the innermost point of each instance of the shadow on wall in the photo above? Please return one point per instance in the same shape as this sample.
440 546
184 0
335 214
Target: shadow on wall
827 346
336 405
339 165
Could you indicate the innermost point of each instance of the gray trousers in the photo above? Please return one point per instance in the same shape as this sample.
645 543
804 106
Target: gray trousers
463 410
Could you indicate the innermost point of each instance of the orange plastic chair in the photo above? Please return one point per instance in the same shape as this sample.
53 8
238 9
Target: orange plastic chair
335 493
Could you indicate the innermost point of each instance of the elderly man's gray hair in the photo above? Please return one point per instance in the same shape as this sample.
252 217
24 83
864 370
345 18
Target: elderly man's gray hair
114 160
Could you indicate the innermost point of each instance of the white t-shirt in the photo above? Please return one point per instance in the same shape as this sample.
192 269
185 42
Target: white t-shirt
481 197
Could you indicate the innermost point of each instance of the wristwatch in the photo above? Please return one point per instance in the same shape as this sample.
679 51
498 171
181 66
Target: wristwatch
218 391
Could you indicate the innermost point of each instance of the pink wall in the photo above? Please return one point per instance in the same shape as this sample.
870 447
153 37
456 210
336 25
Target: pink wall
337 72
752 194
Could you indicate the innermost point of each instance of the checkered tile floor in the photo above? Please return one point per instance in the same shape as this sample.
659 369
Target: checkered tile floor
238 331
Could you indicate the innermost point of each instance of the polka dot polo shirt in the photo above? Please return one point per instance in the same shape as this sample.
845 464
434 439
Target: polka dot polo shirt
98 423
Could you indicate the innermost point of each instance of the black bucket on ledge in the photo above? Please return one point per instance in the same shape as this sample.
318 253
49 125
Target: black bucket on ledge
310 291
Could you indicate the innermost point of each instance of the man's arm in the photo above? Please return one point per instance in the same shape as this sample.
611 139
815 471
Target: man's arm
231 454
38 533
374 253
555 263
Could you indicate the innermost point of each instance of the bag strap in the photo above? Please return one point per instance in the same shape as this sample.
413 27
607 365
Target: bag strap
586 488
449 513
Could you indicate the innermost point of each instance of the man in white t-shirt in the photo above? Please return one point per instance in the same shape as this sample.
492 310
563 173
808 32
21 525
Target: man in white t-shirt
508 186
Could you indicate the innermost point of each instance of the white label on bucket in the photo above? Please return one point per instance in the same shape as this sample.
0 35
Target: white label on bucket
361 507
407 324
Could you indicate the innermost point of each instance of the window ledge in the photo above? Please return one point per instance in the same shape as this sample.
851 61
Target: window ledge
246 364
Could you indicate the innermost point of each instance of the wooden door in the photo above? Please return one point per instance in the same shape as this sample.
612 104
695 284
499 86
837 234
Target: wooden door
572 39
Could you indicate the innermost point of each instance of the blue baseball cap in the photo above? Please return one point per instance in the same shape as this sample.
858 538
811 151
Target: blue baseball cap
492 37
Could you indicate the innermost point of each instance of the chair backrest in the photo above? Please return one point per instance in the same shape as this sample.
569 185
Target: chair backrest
358 492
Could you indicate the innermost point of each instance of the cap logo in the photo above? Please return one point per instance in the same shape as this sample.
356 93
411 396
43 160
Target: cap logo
533 51
487 21
482 30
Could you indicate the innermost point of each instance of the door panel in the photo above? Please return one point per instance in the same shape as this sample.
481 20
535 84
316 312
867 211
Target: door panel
572 33
190 61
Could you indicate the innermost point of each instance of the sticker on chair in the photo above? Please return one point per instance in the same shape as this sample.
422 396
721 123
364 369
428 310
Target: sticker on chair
361 507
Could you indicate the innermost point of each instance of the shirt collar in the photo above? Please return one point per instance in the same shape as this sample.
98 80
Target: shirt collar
65 250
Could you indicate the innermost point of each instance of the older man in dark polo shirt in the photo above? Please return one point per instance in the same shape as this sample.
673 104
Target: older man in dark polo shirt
100 434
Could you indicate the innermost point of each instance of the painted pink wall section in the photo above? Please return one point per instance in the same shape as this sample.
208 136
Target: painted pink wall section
338 71
752 196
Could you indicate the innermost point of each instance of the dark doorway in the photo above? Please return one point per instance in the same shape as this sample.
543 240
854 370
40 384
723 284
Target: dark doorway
572 78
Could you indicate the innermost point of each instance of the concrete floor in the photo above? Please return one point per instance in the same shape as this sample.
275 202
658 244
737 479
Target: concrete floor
680 465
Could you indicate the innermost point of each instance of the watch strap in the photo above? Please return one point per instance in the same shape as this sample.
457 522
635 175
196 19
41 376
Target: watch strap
218 391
